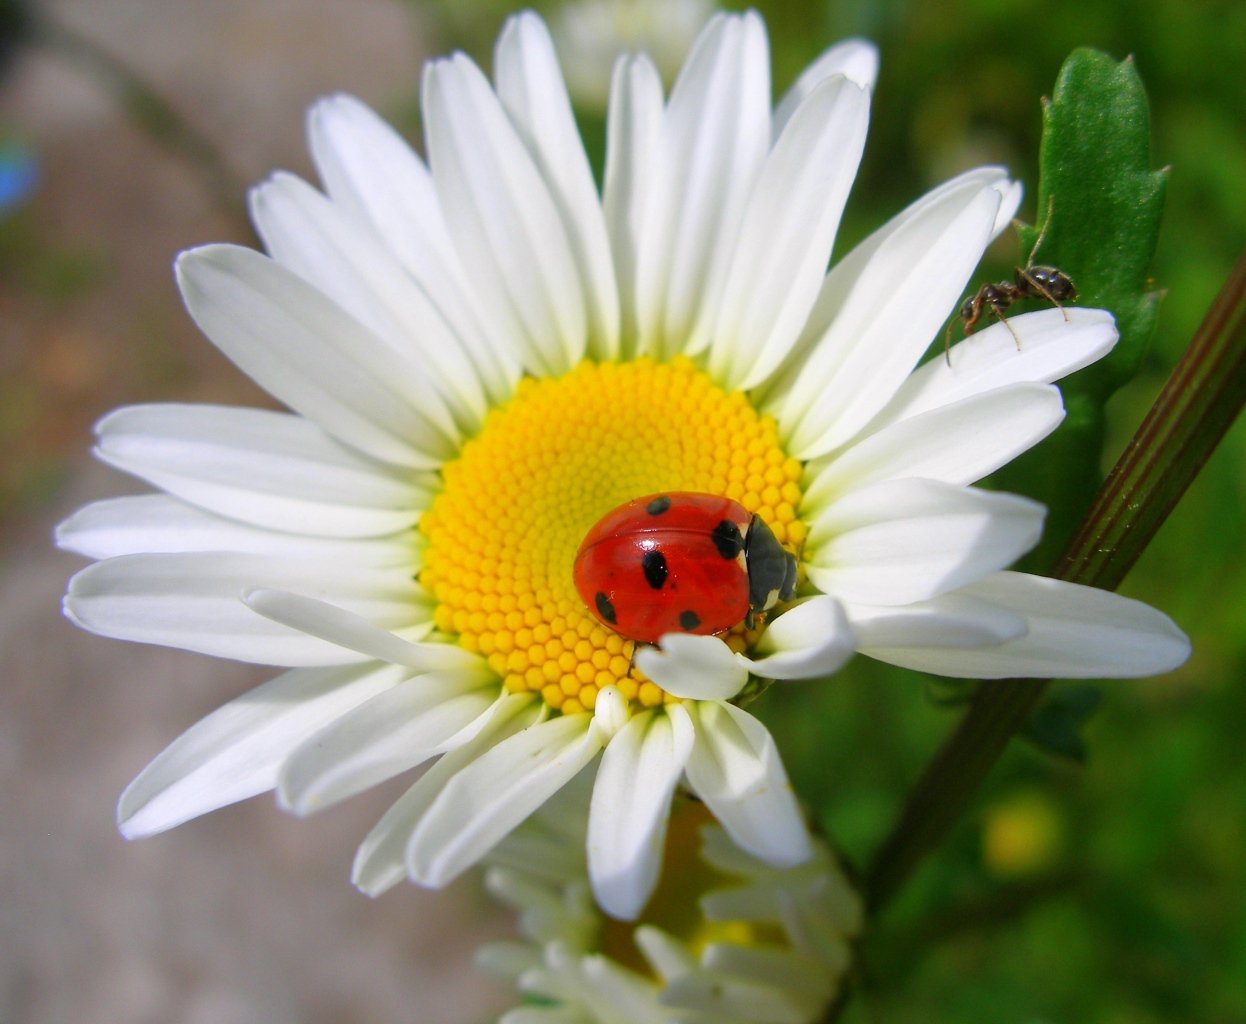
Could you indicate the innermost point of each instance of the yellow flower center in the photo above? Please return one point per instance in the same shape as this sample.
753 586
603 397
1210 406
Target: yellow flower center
503 534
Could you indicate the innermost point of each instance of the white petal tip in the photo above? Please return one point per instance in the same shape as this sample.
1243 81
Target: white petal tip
372 887
427 873
302 803
136 819
693 667
1171 651
332 103
809 641
622 902
130 825
130 831
859 62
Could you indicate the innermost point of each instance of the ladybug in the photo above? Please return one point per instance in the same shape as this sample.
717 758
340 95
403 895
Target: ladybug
681 563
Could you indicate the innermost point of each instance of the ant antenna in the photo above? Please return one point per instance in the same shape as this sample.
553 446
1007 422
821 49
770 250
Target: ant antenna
1029 282
1042 232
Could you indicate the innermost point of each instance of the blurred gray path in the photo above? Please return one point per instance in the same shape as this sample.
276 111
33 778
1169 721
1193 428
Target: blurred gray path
245 916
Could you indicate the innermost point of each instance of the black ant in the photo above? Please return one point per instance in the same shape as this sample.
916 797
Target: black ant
1033 281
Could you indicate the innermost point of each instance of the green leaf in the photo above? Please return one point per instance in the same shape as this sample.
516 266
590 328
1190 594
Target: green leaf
1105 204
1099 206
1056 725
947 692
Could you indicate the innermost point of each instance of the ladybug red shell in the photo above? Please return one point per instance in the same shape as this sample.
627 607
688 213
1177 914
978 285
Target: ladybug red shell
681 563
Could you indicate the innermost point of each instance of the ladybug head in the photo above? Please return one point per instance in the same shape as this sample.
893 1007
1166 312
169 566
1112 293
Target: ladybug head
771 568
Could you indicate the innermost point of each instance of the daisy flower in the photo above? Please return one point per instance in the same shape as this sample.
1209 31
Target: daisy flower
726 939
482 356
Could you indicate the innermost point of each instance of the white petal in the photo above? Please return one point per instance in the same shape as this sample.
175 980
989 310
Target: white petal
1074 632
392 732
237 751
353 632
551 908
807 642
952 194
791 977
711 145
541 855
785 239
755 983
817 910
958 443
1051 347
756 901
633 122
855 59
554 1014
900 541
666 955
266 468
158 523
615 993
611 712
369 170
503 219
950 620
693 667
718 851
506 959
380 861
872 342
306 351
491 796
721 997
531 89
1010 193
345 261
735 768
545 904
192 601
819 927
631 804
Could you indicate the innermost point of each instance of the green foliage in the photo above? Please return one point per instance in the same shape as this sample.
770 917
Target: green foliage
1101 204
1141 919
1058 724
1105 203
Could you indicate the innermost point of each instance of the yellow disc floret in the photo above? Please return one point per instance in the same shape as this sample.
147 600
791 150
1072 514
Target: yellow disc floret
503 533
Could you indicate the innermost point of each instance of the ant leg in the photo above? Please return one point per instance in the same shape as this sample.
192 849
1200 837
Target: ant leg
947 342
969 314
998 310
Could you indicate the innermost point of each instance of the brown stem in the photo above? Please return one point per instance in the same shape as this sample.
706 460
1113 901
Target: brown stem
1197 405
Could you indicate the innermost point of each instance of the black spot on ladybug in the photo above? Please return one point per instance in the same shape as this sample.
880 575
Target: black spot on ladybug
654 564
727 539
658 505
689 620
604 608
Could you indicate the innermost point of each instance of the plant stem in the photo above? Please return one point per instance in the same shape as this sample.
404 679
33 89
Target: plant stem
1193 412
150 112
1195 409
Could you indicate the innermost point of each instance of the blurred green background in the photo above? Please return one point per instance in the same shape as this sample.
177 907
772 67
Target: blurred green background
1113 891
